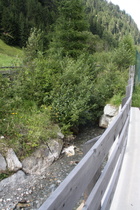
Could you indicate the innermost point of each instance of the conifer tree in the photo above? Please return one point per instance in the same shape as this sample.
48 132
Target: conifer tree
69 36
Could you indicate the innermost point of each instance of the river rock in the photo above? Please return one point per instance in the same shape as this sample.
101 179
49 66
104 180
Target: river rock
105 121
110 110
43 157
69 151
13 162
110 113
13 180
60 135
55 147
2 164
14 189
38 161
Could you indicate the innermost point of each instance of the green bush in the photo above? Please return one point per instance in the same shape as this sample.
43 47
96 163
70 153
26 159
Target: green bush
27 127
124 55
9 56
72 98
52 90
116 100
136 97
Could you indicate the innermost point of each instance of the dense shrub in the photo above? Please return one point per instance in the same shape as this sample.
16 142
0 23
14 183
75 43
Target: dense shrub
73 96
52 90
124 55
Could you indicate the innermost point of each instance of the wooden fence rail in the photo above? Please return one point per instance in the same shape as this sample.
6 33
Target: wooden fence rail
89 178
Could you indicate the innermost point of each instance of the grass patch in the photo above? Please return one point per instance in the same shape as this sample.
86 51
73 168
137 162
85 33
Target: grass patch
136 97
116 100
5 175
9 56
26 128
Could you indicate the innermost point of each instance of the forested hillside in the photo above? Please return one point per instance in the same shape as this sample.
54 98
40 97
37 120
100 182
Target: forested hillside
17 17
75 59
109 22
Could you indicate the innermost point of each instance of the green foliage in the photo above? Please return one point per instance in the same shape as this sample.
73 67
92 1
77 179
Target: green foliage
70 35
94 43
124 55
121 57
110 23
136 97
39 75
24 15
68 84
5 96
111 82
5 175
111 79
105 19
72 98
116 100
9 56
24 124
34 46
26 127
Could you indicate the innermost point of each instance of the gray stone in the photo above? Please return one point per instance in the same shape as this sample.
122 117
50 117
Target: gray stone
69 151
105 121
13 180
110 110
55 147
13 188
13 162
38 161
2 164
110 113
42 158
60 135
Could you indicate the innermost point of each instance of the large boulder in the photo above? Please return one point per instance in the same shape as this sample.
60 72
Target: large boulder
13 162
13 180
55 147
14 189
38 161
110 110
105 121
2 164
110 113
43 157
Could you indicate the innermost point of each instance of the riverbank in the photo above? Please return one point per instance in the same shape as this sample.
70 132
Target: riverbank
36 189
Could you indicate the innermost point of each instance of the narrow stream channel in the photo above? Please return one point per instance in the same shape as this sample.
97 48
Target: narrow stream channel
61 168
33 195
